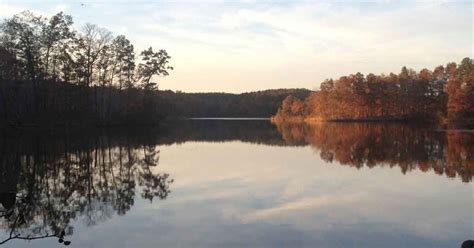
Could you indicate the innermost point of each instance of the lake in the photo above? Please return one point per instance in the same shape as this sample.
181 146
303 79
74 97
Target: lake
243 183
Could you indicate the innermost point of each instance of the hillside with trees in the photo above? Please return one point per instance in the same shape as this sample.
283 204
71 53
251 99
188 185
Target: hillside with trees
250 104
445 94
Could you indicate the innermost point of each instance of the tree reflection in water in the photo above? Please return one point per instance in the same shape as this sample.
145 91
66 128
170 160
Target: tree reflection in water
46 183
371 144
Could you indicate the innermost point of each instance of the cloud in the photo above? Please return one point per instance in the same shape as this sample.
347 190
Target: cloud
61 7
283 44
8 10
308 42
307 203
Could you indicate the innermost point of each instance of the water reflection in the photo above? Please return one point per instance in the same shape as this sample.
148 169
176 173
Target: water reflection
47 182
231 175
409 147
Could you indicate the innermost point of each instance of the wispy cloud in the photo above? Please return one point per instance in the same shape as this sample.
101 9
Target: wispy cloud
302 204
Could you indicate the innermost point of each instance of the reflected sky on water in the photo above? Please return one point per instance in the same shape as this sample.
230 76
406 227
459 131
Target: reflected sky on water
239 184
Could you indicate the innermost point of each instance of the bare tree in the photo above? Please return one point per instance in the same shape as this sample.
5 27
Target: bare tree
92 42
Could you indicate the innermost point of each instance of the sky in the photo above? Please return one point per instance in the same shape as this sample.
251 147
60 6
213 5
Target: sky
241 46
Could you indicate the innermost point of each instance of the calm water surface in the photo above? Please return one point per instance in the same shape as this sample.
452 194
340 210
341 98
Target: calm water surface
212 183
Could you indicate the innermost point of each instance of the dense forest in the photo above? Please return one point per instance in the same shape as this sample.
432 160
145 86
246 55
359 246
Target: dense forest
445 94
251 104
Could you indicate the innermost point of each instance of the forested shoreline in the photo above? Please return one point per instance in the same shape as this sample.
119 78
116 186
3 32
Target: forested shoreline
53 75
444 95
250 104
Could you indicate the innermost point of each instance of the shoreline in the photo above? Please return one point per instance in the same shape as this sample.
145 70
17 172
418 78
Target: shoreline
467 124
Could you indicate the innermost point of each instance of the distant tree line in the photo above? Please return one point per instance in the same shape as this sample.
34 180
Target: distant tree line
446 93
51 72
252 104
